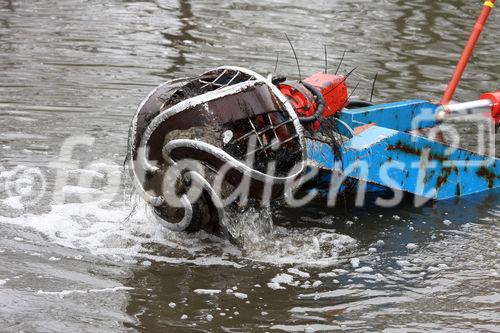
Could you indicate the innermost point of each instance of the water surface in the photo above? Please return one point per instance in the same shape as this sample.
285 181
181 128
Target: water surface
78 69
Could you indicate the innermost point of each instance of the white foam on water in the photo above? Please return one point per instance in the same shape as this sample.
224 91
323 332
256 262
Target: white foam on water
298 272
240 295
316 284
364 269
283 278
88 173
202 260
65 293
275 286
328 275
13 203
307 247
355 262
447 222
75 225
277 282
307 328
411 246
119 232
108 228
207 291
81 190
8 174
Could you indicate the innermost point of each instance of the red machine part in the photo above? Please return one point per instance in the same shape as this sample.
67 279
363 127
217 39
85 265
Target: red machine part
332 87
495 107
334 91
469 48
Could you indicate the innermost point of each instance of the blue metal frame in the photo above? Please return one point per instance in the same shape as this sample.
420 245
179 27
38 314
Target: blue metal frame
387 156
400 116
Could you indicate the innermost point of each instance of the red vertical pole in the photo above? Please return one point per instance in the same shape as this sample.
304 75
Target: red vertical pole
469 48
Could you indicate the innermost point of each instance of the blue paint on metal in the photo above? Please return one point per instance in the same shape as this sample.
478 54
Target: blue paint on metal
387 157
401 161
416 165
322 156
402 116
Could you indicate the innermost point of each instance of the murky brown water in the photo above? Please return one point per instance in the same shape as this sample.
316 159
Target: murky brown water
81 68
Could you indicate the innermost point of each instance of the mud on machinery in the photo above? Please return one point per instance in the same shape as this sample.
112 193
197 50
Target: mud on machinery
234 137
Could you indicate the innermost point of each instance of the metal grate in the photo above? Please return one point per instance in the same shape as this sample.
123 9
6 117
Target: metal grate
226 78
267 130
264 133
209 81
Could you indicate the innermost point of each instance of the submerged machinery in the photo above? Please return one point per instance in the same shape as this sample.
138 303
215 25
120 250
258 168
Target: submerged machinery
231 137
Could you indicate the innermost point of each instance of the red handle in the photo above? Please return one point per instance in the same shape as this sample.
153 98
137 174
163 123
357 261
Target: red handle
495 107
469 48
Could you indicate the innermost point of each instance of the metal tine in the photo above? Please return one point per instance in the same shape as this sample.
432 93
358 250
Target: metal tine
232 79
353 91
264 130
287 140
220 76
341 61
373 87
264 148
343 80
255 131
214 81
272 126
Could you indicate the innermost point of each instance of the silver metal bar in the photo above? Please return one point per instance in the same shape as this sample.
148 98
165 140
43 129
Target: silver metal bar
214 82
264 148
463 109
232 79
469 107
264 130
272 126
255 131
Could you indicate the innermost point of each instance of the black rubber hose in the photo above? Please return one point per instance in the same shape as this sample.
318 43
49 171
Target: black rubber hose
320 104
358 103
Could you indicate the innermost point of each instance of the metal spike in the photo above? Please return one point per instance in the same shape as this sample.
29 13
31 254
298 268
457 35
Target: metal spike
343 80
326 60
277 59
341 61
352 71
373 87
353 91
295 55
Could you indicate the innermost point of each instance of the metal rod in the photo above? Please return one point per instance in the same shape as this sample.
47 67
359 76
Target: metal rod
469 48
326 60
373 87
295 55
461 109
341 61
266 147
264 130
